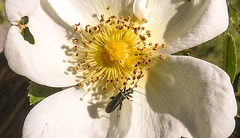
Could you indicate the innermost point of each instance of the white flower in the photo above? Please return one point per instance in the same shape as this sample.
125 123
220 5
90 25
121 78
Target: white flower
181 96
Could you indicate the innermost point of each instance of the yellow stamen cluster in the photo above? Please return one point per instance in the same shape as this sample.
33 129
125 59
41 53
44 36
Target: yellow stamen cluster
116 51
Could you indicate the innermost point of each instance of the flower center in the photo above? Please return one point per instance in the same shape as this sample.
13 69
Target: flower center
114 52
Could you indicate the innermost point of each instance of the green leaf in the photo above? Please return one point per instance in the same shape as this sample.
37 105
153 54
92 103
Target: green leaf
229 56
236 84
27 35
2 17
186 52
238 113
24 20
37 92
238 87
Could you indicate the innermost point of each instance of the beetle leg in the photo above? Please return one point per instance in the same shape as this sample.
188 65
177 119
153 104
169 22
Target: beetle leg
128 98
120 106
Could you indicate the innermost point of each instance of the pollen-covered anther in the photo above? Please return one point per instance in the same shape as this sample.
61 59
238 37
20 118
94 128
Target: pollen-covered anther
75 30
86 54
132 83
105 89
140 76
134 77
75 41
97 78
77 24
88 65
80 84
84 77
163 45
87 27
148 33
83 61
149 60
136 86
115 85
75 47
144 20
108 7
101 20
162 57
76 68
148 68
135 72
93 80
143 38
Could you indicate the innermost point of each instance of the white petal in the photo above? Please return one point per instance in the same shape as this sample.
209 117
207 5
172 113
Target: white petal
17 9
64 114
185 97
39 62
140 9
71 11
48 60
89 11
183 24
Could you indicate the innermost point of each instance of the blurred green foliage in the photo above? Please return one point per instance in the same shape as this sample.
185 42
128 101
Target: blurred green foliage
2 17
229 56
37 92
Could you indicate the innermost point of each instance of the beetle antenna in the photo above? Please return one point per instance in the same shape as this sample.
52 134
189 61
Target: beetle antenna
139 92
136 90
135 84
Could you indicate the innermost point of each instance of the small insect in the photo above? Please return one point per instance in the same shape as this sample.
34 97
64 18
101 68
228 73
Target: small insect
117 100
